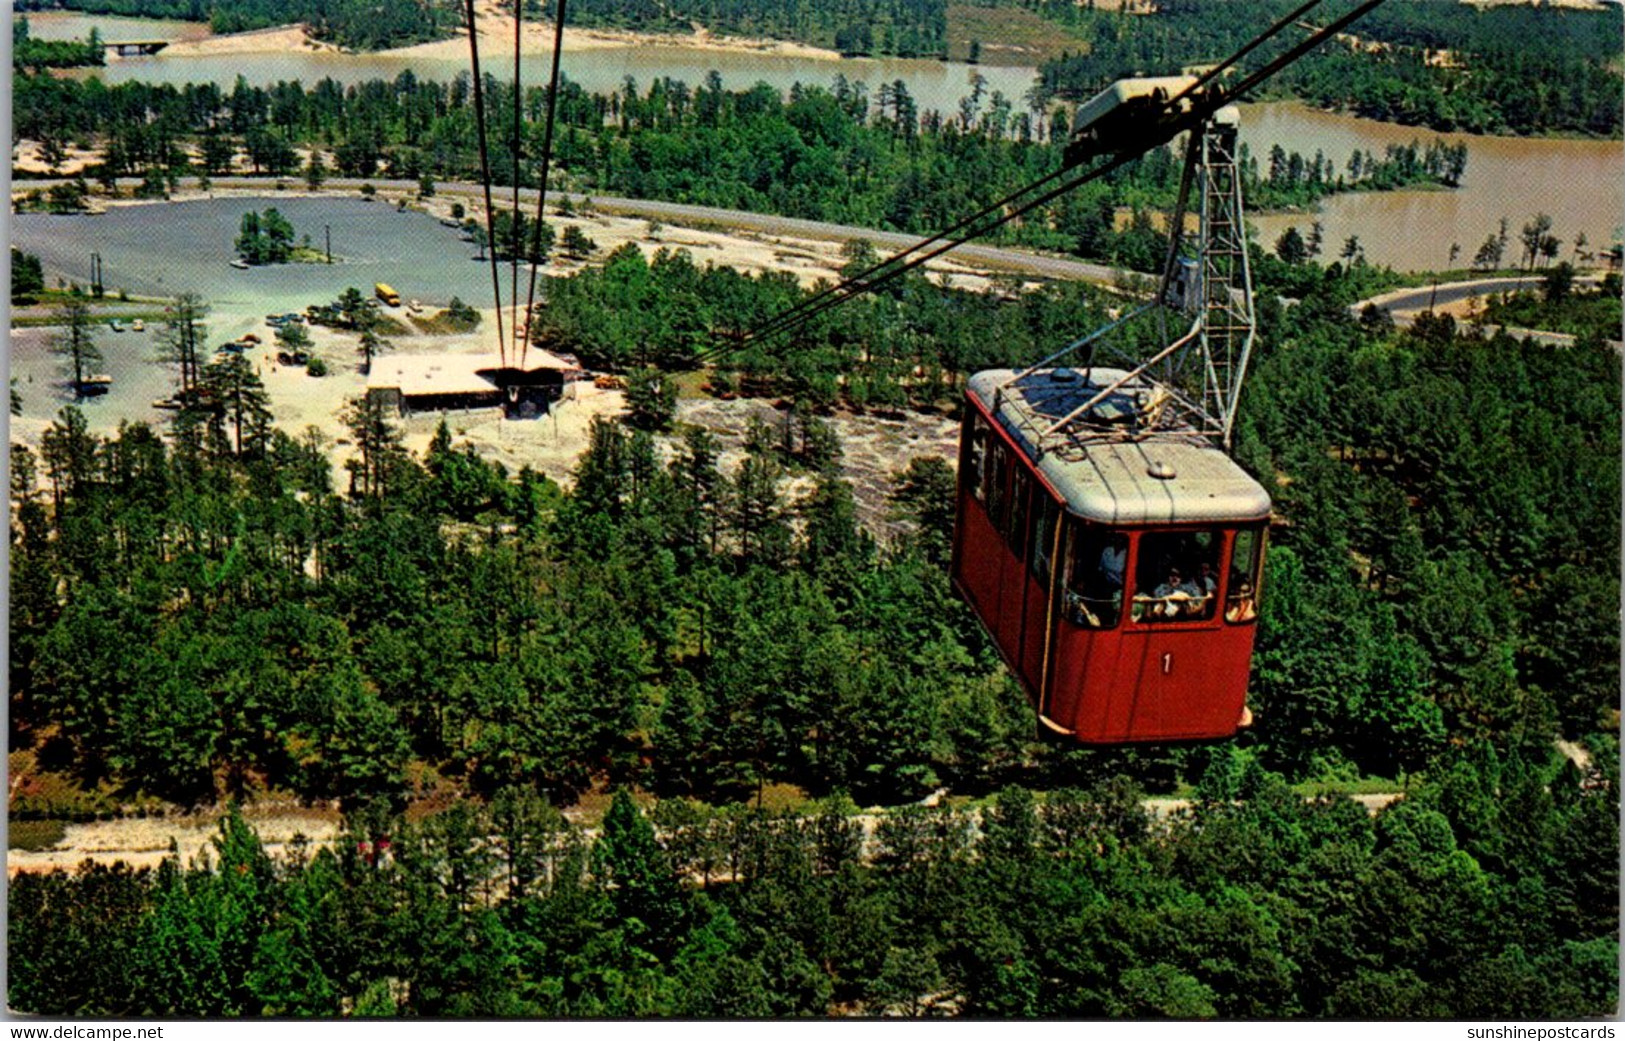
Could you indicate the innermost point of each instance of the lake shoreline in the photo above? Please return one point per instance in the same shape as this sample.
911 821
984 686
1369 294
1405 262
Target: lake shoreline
496 30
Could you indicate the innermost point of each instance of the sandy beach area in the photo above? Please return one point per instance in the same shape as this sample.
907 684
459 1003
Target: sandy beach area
278 40
496 34
29 157
496 30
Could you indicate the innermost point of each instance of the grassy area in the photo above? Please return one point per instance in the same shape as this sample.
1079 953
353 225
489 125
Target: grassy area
441 323
1582 313
389 325
1008 36
1359 786
1317 789
691 385
32 836
151 316
115 298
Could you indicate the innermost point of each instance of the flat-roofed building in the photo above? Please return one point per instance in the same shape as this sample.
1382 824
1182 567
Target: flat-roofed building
414 383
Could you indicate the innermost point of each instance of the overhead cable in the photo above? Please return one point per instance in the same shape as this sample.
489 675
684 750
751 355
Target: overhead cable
879 274
541 189
485 171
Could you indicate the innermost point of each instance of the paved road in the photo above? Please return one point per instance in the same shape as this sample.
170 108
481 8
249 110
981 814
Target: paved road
1405 304
1422 297
995 258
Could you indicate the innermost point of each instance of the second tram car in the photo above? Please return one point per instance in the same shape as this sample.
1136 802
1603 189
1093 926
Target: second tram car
1119 577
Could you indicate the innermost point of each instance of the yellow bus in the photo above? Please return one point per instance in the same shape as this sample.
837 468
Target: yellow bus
387 294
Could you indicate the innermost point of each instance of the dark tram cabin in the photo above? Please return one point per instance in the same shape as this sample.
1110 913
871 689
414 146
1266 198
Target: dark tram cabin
1118 577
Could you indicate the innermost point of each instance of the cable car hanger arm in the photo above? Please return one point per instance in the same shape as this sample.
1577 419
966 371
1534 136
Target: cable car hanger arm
1112 388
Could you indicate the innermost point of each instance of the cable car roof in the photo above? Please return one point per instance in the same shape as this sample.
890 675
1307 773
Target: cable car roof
1125 93
1159 477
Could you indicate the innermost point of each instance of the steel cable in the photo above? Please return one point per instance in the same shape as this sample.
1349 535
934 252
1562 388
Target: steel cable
485 173
541 189
860 283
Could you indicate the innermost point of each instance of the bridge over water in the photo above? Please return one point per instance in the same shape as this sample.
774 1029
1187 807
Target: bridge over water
135 48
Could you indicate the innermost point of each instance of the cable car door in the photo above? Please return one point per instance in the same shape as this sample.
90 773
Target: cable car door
1191 673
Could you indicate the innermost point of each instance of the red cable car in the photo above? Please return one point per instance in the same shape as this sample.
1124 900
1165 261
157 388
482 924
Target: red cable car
1107 541
1119 581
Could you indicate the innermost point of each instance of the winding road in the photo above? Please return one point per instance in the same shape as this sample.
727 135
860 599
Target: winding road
1405 304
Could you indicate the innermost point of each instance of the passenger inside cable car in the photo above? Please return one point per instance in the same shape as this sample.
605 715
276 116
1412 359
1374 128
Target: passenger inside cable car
1176 576
1094 586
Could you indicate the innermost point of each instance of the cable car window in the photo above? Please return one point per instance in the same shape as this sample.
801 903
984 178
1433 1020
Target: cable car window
1016 532
1177 576
978 457
1094 577
994 494
1045 511
1242 603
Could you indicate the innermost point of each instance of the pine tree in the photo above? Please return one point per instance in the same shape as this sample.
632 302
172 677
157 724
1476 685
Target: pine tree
630 863
233 392
183 339
75 342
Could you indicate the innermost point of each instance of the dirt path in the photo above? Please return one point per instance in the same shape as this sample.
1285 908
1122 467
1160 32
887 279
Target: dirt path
145 843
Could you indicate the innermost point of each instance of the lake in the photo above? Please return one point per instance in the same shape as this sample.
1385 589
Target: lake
935 84
68 25
1578 183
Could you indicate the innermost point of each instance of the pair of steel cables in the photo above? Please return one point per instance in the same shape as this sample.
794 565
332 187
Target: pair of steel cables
520 332
1204 104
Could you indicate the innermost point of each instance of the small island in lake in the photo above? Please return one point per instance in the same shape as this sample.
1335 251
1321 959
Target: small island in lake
267 238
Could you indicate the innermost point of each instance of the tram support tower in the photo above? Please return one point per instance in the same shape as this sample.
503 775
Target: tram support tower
1227 322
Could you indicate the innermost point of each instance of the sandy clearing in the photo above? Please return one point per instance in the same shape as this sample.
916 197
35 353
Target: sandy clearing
496 28
145 843
550 445
28 157
278 40
1467 309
